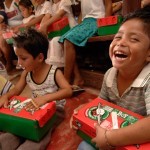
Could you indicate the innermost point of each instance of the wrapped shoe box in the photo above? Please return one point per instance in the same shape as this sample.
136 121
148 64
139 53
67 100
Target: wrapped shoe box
109 25
87 116
58 28
28 124
8 36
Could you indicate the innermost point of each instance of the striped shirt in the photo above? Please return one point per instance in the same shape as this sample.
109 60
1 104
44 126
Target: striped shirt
135 98
5 85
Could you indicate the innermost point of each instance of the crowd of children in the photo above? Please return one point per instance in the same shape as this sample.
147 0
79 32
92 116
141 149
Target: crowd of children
40 59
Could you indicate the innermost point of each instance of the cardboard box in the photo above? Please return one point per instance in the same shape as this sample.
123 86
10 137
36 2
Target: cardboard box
8 36
57 28
26 124
109 25
87 116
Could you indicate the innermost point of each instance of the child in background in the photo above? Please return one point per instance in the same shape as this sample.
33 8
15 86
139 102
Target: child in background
127 83
3 15
91 10
13 12
14 18
27 10
41 7
60 9
46 82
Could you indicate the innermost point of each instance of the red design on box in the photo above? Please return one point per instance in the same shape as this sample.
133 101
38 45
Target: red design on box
111 20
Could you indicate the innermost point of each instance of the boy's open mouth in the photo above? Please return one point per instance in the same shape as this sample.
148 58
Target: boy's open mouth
119 54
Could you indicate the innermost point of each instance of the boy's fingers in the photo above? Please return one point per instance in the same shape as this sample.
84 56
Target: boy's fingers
71 125
96 126
75 111
6 104
93 140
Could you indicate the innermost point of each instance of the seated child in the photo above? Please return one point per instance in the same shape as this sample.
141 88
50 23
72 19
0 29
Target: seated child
27 10
46 82
41 7
79 35
127 83
60 9
14 18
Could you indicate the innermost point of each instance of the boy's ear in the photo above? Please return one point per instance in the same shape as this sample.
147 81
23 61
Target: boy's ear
41 57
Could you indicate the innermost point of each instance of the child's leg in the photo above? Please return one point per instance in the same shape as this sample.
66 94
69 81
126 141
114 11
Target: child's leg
9 141
28 144
78 80
70 56
7 53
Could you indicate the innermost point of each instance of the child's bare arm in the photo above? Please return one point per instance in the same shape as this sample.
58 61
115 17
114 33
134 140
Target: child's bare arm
132 134
15 91
34 21
64 91
45 24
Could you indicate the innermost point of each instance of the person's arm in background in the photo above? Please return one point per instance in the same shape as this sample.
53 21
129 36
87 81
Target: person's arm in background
108 7
34 21
44 25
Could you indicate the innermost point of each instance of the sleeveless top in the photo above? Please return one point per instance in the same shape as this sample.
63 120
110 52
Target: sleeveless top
48 86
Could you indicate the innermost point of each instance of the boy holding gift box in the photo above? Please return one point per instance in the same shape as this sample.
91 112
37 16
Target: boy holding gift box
46 82
127 83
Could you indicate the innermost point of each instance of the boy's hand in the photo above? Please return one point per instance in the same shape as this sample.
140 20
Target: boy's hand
100 137
75 112
35 104
4 101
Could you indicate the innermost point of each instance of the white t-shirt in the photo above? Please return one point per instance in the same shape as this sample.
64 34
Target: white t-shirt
26 20
66 6
13 14
92 8
43 9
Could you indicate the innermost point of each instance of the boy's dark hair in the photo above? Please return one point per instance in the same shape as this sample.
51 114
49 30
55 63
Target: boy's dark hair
33 42
142 14
26 3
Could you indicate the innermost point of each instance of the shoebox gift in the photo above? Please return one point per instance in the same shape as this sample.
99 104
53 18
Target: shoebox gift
8 36
58 28
109 25
28 124
112 116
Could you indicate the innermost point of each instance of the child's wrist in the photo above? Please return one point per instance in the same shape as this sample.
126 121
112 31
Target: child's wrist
108 144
